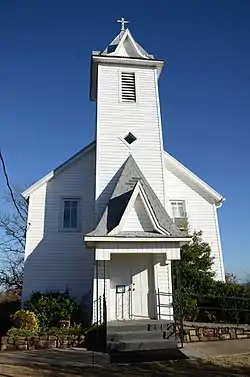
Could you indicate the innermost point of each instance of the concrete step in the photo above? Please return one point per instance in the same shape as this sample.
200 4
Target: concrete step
141 345
129 335
139 325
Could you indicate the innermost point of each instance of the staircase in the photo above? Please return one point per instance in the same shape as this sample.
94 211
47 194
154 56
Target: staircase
140 335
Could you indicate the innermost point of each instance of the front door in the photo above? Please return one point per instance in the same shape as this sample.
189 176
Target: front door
142 283
131 284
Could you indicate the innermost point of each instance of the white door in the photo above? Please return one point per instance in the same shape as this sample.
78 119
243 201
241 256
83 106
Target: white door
131 284
142 284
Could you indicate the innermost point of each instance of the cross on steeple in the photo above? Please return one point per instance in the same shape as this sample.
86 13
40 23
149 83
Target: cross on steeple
122 21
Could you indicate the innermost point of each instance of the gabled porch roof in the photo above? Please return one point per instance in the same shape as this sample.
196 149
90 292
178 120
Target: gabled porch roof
130 184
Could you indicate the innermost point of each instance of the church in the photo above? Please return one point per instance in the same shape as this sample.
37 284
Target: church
109 221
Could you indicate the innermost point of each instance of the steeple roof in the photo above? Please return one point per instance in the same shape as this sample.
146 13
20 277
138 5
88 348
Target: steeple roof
124 45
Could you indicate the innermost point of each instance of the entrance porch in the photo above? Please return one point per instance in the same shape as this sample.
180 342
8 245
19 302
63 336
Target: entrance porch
131 281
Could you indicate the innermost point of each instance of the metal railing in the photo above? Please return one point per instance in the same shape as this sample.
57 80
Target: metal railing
171 302
214 308
100 311
207 308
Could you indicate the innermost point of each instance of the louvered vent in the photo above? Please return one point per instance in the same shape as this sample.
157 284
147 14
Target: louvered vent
128 87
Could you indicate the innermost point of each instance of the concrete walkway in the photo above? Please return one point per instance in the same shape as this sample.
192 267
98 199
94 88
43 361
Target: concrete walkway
216 348
64 358
78 358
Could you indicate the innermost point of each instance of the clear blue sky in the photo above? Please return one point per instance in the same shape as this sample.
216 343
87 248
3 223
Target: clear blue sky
46 114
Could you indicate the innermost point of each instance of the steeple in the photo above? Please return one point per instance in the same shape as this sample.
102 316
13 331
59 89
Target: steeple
123 49
124 45
124 83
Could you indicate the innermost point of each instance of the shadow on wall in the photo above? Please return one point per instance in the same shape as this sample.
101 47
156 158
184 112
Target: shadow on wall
61 260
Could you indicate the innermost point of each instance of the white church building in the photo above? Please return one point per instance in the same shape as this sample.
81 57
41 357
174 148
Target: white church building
108 220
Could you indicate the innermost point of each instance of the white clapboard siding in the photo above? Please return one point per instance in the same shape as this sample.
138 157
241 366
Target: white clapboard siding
115 119
55 259
201 214
138 219
35 222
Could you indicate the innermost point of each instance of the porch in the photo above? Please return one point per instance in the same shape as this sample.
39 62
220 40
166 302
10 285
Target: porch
136 285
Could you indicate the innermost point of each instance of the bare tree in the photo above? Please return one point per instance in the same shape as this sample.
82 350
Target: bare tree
231 278
13 226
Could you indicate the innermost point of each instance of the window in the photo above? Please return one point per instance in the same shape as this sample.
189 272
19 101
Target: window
178 208
179 213
128 87
70 219
130 138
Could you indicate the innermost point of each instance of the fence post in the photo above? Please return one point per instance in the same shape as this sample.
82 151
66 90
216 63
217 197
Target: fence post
179 290
105 321
100 306
236 310
159 303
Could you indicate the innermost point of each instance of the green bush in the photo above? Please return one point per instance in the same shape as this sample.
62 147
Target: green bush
25 319
76 330
222 303
51 308
13 332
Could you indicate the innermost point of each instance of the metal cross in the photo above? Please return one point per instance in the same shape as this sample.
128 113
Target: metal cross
123 22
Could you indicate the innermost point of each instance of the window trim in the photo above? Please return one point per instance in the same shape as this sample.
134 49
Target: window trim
78 228
184 207
128 70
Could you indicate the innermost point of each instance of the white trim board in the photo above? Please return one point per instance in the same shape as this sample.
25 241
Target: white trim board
94 239
57 170
176 166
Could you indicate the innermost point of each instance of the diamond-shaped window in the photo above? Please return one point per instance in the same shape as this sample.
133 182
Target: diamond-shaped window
130 138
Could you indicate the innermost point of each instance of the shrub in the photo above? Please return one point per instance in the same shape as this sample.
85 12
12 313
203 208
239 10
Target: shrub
51 308
223 302
76 330
13 332
25 320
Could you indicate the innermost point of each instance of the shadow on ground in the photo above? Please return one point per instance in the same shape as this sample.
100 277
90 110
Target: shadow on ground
69 363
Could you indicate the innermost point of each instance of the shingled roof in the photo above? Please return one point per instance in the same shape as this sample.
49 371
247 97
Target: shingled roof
129 177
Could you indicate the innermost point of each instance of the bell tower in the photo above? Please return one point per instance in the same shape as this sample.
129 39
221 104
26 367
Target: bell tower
124 84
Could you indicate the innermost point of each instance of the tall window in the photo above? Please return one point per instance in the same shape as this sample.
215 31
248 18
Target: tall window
70 218
178 208
179 214
128 87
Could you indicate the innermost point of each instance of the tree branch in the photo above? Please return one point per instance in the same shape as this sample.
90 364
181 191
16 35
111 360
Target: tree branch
9 186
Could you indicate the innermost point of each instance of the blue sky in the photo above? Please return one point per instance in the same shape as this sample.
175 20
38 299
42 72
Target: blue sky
46 114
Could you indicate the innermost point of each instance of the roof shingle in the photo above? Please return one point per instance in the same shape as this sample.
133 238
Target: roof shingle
129 176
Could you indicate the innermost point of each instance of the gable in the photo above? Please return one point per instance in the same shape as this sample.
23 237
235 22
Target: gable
138 218
124 45
65 165
126 49
131 184
192 180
